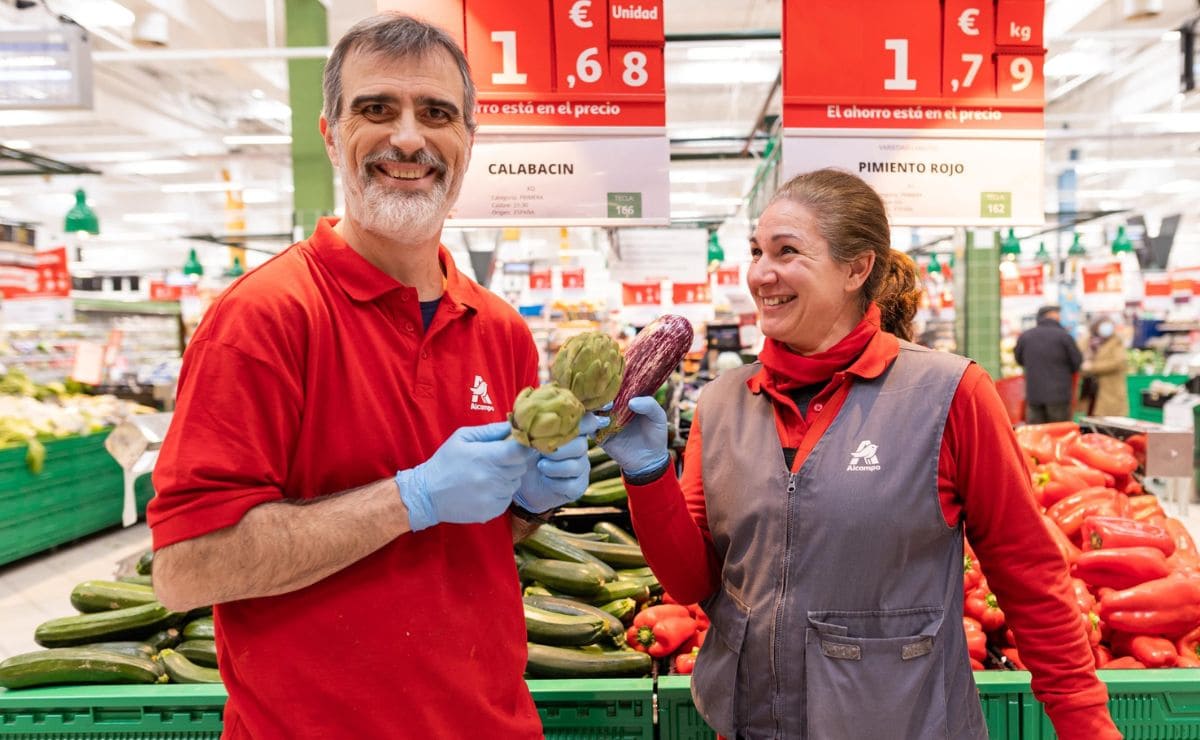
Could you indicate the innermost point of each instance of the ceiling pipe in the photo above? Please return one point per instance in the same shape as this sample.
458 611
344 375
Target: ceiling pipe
200 55
762 112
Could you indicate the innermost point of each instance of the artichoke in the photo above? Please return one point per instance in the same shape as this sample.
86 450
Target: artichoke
591 366
545 418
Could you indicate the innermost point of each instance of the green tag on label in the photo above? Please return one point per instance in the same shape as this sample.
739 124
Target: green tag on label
995 205
624 205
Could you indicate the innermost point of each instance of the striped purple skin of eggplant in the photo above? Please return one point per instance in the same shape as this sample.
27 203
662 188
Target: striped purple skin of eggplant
649 360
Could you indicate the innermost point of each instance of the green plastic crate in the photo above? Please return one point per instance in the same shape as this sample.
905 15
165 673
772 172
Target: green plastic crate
578 709
131 712
679 720
78 492
1161 704
585 708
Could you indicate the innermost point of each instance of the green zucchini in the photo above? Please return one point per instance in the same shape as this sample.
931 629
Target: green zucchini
615 534
604 471
202 652
536 589
612 625
76 665
556 662
607 496
622 609
138 579
591 536
100 596
130 622
546 542
145 564
163 639
650 582
614 554
636 590
579 579
200 629
125 647
551 628
182 670
634 573
597 455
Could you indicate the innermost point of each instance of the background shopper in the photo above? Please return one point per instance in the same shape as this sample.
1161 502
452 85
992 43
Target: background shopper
824 495
1051 359
353 600
1105 361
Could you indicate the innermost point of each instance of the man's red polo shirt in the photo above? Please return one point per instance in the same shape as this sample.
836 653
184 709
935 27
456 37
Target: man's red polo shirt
312 375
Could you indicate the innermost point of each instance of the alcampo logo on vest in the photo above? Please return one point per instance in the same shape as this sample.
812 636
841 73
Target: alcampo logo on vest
864 459
480 400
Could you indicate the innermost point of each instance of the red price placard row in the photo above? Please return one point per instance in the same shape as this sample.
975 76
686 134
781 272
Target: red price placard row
966 64
560 62
1029 281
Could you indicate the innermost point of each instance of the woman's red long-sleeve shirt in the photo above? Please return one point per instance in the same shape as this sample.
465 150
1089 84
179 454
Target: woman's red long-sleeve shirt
982 479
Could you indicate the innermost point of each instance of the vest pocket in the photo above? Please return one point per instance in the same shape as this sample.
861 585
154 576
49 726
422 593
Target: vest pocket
719 680
876 674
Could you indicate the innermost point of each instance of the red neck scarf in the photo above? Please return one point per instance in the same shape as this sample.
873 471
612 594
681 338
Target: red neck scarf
790 370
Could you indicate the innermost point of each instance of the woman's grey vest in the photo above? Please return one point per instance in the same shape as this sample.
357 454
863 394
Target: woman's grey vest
840 609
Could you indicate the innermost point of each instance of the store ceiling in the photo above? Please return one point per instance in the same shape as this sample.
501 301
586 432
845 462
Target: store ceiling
171 122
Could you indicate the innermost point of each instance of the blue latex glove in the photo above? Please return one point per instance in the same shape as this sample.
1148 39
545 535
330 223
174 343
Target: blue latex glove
560 477
471 478
640 447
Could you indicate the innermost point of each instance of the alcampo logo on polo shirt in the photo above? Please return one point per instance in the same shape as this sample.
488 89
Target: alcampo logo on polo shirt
480 400
864 459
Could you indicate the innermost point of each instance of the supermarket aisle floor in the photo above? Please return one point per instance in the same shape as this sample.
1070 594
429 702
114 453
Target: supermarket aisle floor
38 588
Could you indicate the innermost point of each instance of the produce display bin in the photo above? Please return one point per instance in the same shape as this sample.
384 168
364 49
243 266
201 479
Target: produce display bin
575 709
78 492
570 710
129 712
1145 704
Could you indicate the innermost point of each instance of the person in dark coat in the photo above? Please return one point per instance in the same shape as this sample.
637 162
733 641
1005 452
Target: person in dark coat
1050 358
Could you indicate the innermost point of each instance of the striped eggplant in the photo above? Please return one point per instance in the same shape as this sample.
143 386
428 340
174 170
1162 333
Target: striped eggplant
649 360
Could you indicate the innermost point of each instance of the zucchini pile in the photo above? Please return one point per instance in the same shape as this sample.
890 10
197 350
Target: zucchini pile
605 487
581 592
121 635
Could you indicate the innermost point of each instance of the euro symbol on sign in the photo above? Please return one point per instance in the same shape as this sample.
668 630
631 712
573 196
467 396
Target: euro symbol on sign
579 11
966 22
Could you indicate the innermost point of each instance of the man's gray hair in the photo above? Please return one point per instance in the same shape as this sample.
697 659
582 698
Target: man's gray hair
393 35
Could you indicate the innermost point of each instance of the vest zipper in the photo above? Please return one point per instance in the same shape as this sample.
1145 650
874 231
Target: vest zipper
776 647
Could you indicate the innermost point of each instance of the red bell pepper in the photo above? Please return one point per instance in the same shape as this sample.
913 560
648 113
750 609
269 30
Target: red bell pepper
666 636
1153 652
1083 595
1053 428
1183 540
1102 532
1091 627
1062 447
1060 481
1121 567
1070 512
971 624
982 606
1090 476
1168 607
1104 453
696 613
1102 655
685 663
1183 564
1189 644
1187 661
1066 547
977 645
1123 663
972 575
633 640
1137 443
651 616
1144 505
1013 657
695 641
1035 443
976 665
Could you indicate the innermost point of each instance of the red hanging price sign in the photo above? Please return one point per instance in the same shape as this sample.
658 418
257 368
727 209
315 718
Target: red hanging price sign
641 294
1029 280
572 278
539 280
1157 286
1102 277
727 275
688 293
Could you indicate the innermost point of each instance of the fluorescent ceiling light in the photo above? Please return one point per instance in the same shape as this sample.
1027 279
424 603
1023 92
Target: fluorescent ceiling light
722 73
239 139
717 52
18 144
251 196
96 13
154 167
1180 186
699 177
200 187
701 198
107 156
29 61
156 217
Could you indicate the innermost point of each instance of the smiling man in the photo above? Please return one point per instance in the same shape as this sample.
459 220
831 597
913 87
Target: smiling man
339 478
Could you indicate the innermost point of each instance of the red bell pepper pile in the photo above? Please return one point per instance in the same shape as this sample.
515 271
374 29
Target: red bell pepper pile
1135 571
670 630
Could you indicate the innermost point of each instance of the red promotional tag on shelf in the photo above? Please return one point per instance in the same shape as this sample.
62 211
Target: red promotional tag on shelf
1029 280
685 293
1157 286
572 278
539 280
47 277
1102 277
163 291
641 294
565 63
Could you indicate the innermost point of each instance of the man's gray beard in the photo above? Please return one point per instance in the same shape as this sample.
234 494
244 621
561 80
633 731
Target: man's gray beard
380 210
